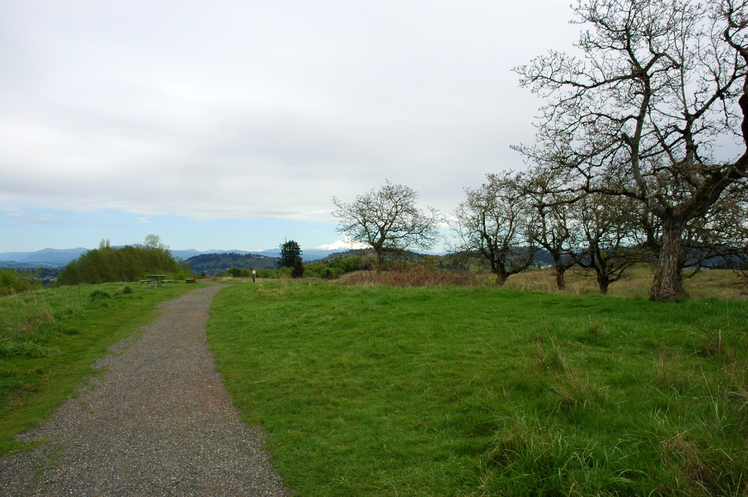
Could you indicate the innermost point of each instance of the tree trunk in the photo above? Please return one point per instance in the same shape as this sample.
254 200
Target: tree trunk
560 280
380 258
601 271
501 277
603 283
668 282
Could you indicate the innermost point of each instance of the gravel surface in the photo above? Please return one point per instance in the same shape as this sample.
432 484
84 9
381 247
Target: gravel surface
157 422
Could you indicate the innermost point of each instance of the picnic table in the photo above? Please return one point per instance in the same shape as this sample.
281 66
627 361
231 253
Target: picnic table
156 280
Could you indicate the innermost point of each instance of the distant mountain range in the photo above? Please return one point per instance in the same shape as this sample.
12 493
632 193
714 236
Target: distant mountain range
307 254
60 258
42 258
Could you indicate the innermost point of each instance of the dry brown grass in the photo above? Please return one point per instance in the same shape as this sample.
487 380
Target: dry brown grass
414 276
719 284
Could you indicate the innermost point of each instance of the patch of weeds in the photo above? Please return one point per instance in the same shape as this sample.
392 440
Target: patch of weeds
25 349
69 330
69 311
672 375
710 343
37 319
574 389
595 333
531 457
703 468
548 357
98 295
737 376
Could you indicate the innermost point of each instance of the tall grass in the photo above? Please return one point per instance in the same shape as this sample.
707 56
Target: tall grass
714 284
448 390
414 276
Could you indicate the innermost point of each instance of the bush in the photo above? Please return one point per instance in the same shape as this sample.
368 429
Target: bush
129 263
98 295
298 268
335 268
12 282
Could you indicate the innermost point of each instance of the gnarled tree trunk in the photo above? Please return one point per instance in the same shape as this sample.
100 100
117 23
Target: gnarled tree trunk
560 270
603 282
668 282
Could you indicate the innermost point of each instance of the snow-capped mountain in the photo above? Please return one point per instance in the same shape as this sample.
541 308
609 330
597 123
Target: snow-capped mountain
343 244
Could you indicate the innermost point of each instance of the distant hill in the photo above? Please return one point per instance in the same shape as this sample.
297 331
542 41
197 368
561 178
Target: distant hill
60 258
42 258
215 263
186 254
308 255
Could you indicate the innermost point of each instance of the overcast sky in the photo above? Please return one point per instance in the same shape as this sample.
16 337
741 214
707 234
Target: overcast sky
231 124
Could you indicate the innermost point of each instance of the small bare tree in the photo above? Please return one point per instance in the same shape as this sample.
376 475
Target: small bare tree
388 220
554 227
493 223
154 242
609 226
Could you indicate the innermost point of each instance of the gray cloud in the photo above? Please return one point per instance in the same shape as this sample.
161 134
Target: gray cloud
262 109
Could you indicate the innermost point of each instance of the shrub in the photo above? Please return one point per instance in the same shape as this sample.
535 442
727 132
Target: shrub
298 268
109 264
12 282
98 295
235 272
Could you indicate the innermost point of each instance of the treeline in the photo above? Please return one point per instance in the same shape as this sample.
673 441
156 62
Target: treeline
128 263
516 218
330 268
215 263
512 216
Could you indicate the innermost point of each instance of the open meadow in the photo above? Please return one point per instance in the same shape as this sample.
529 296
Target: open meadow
477 390
370 385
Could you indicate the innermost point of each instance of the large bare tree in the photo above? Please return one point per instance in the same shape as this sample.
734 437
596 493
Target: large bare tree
660 86
388 220
494 224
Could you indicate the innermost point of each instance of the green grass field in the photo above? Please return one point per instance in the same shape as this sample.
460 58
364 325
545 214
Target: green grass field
373 390
50 338
438 390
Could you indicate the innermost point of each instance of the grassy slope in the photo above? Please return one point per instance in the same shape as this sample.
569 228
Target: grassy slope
64 331
466 391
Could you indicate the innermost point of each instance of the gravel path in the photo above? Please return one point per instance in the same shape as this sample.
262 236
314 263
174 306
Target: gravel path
158 422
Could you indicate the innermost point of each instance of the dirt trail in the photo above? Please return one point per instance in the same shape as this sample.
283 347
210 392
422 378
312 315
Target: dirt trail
158 422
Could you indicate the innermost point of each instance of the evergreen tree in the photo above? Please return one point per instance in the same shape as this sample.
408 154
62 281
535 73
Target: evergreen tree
289 252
